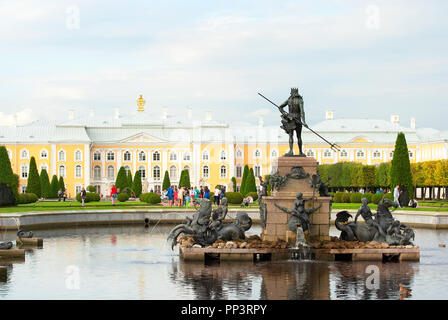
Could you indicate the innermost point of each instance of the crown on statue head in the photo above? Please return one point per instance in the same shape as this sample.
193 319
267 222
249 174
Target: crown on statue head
295 90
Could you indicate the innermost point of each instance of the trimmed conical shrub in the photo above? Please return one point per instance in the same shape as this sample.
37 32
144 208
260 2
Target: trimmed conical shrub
400 170
33 185
251 186
185 179
45 184
61 184
54 187
166 181
244 179
137 184
122 179
129 179
7 176
234 184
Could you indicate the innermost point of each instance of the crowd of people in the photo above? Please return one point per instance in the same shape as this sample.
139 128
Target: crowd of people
183 196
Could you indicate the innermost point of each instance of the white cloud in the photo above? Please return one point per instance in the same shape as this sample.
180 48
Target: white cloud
21 117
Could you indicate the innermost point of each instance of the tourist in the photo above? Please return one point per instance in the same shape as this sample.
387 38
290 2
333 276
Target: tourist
60 195
222 194
413 203
83 196
206 193
113 194
216 196
180 196
64 195
362 191
176 197
170 195
196 193
397 195
187 197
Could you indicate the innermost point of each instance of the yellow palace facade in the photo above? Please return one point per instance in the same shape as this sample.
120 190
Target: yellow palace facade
90 151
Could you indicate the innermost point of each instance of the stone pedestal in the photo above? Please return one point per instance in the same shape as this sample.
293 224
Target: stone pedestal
277 220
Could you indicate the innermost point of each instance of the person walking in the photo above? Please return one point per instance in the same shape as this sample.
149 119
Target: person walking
397 195
180 196
113 194
216 196
176 197
170 195
206 193
201 193
83 196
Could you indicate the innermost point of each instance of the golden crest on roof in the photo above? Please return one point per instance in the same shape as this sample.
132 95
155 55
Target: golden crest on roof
141 103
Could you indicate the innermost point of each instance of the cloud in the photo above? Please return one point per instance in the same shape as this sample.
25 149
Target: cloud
23 116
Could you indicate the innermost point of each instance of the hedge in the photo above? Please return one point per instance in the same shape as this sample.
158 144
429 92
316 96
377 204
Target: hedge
234 197
150 197
123 197
356 197
27 198
90 196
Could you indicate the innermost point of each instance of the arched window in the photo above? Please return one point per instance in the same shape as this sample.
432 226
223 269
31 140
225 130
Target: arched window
187 168
327 153
187 156
223 171
173 173
173 156
274 154
142 170
24 171
44 166
78 155
110 172
110 156
343 154
127 169
377 154
156 156
61 155
257 171
239 154
43 154
62 171
239 171
222 155
391 154
127 156
257 153
97 172
205 172
97 156
360 154
156 173
310 153
78 171
410 154
142 156
205 155
24 154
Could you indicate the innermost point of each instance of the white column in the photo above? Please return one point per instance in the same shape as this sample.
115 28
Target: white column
53 159
103 163
164 163
134 161
86 165
119 159
369 156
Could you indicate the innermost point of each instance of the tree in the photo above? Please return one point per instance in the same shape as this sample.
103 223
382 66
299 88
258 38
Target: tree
137 184
234 184
184 179
382 175
251 186
54 187
33 185
166 181
61 184
129 179
45 184
243 180
400 171
7 176
122 180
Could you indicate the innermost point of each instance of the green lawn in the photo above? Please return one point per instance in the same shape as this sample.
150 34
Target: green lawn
354 206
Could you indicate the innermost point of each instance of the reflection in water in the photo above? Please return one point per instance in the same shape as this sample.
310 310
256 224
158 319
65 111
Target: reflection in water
134 262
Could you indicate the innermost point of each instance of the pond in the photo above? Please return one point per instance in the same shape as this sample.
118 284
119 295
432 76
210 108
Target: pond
134 262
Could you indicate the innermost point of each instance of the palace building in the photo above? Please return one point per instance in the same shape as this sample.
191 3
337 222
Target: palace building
89 150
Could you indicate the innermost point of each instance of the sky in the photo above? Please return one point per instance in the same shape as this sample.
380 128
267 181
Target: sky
361 59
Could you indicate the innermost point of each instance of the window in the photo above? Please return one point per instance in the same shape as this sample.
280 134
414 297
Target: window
127 169
157 189
127 156
410 154
205 172
110 172
187 168
62 171
97 172
344 154
257 171
173 173
110 156
61 155
78 171
24 154
78 155
156 156
205 155
310 153
274 154
44 166
239 171
142 156
78 189
142 170
257 154
187 156
239 154
223 171
222 155
173 156
391 154
156 173
97 156
327 153
43 154
23 188
24 171
360 154
377 154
